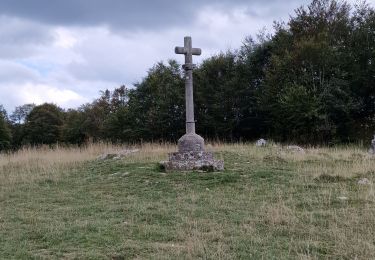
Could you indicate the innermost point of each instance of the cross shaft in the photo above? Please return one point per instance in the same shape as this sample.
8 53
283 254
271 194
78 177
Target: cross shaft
189 51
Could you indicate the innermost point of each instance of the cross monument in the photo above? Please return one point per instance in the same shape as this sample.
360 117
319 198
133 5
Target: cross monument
190 141
188 51
191 154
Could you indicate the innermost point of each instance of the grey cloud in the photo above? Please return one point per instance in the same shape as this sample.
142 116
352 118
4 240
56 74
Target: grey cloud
16 31
19 37
140 14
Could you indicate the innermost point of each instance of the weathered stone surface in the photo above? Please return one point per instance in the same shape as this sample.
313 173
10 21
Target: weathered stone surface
372 148
188 67
187 161
191 142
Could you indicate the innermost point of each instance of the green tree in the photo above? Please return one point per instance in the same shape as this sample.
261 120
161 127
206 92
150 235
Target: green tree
17 124
5 134
309 67
156 107
20 113
116 123
217 108
43 125
73 130
361 68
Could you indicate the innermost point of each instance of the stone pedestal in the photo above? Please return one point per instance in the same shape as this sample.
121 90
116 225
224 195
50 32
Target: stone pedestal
189 161
191 143
192 156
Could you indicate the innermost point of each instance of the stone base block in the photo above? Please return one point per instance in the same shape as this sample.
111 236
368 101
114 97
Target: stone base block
191 142
188 161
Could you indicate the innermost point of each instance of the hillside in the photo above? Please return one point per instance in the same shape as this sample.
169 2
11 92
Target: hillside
268 203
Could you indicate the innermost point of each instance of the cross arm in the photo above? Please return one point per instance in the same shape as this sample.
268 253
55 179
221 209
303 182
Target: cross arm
183 50
196 51
180 50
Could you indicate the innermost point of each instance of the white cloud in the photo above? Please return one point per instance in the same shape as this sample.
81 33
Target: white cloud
65 38
68 65
40 93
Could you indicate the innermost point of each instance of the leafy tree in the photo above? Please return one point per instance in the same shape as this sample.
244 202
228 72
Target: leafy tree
217 108
3 112
73 131
43 124
361 68
312 81
17 119
21 112
5 134
309 60
156 107
116 123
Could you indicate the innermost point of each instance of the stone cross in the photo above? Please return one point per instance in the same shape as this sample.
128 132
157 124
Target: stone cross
189 51
191 154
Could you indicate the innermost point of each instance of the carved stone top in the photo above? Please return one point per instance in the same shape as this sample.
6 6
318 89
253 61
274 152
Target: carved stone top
188 51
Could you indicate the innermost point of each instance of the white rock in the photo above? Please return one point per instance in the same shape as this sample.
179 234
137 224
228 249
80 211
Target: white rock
117 156
343 198
372 148
295 148
364 181
261 142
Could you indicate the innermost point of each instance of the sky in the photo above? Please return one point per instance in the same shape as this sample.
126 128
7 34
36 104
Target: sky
65 52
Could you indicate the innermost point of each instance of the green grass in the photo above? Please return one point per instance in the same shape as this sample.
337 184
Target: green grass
265 205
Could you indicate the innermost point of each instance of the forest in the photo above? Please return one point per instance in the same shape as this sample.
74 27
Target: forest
310 81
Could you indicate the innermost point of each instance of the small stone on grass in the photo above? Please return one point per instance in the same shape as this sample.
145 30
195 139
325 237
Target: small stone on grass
364 181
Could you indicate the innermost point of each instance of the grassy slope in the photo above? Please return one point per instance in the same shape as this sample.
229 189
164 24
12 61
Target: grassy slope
267 204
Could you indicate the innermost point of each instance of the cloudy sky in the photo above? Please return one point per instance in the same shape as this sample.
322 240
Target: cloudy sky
66 51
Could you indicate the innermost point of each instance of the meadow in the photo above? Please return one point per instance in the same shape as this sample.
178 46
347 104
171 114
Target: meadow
269 203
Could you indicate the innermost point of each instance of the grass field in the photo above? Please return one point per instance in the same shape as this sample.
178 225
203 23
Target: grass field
268 204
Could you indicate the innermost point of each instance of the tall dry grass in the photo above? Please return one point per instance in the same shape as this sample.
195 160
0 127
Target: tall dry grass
29 164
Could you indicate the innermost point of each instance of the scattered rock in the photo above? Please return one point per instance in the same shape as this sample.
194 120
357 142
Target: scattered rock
261 142
106 156
364 181
296 149
372 148
188 161
120 174
116 156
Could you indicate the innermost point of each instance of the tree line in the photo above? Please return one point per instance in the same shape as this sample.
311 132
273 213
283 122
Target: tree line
311 81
